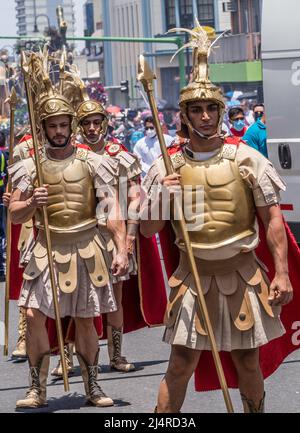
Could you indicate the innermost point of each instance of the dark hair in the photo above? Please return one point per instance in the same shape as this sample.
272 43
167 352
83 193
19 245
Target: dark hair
258 105
131 115
149 119
234 111
2 139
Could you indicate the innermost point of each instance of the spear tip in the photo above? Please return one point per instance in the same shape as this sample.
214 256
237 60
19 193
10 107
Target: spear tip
145 73
13 96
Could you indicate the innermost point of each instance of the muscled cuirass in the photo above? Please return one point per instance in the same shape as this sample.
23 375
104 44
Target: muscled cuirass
72 201
228 212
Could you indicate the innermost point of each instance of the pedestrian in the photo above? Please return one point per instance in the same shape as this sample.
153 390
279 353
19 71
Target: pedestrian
256 135
148 148
238 126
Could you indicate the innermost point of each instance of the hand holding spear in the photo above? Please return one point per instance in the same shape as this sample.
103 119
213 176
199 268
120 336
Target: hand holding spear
146 76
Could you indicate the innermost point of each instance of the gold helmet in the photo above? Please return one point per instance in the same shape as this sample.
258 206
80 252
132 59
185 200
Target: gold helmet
89 107
54 105
200 88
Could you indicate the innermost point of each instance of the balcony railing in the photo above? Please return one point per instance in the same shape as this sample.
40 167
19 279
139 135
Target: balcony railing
237 48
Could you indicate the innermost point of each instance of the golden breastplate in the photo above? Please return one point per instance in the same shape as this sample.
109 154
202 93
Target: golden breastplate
228 212
72 202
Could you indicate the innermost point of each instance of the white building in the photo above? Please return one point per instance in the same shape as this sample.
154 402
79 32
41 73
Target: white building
148 19
34 15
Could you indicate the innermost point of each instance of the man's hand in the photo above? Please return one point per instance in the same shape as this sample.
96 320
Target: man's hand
130 244
281 290
39 197
120 264
172 183
6 198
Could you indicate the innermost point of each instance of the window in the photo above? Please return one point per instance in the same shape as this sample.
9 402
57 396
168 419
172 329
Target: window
170 14
256 15
206 14
186 14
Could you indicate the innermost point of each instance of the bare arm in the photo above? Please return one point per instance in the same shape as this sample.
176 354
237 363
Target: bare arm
133 214
23 205
152 213
149 226
116 225
281 291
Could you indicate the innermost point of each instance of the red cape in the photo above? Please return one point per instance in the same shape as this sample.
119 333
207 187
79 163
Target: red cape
16 272
140 291
271 354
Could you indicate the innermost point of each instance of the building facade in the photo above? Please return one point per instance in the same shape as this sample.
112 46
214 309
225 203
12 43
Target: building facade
34 16
93 26
148 19
235 62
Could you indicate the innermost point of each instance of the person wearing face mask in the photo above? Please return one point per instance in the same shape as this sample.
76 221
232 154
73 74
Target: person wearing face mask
148 148
237 120
256 136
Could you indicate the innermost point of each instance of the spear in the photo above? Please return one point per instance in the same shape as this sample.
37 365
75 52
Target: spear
146 77
25 68
13 103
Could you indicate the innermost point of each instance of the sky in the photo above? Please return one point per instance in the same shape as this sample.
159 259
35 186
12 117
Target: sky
8 19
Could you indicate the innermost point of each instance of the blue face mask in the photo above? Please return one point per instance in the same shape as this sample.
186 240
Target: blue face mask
239 125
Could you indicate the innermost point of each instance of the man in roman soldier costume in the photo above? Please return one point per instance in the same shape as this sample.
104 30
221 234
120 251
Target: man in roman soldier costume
93 122
73 179
239 185
131 291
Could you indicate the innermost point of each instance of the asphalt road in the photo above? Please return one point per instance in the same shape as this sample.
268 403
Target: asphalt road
136 392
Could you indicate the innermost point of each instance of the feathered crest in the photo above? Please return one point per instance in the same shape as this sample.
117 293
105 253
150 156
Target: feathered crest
52 75
201 45
199 39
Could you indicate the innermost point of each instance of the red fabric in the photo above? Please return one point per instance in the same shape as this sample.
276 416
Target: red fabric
115 152
143 306
82 146
138 306
16 272
271 354
233 140
26 137
239 134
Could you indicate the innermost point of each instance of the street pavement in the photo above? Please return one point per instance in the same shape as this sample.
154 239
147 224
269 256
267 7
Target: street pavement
136 392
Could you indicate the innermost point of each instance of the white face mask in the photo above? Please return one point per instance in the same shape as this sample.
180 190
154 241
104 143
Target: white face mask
151 133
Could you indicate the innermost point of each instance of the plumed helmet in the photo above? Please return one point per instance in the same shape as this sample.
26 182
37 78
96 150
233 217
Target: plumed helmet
200 88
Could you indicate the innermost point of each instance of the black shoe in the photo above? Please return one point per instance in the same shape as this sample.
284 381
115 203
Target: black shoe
2 277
